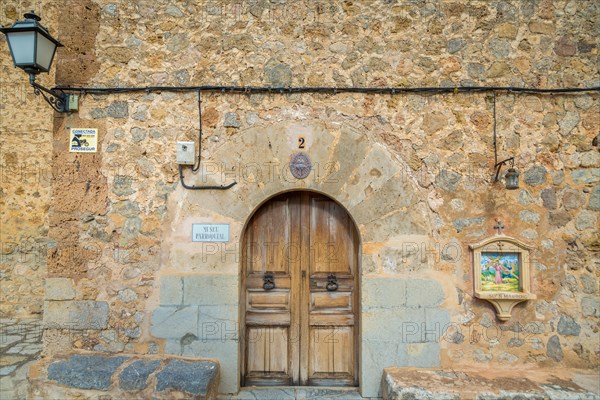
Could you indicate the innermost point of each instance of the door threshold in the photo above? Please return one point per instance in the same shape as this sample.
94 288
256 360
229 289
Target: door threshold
295 393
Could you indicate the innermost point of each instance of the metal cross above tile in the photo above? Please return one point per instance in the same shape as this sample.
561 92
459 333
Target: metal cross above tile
499 226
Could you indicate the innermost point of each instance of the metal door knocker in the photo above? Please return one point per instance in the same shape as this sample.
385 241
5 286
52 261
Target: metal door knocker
332 284
269 282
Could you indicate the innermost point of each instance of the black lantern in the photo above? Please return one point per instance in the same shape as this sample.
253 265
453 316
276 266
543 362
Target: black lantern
32 49
512 179
31 46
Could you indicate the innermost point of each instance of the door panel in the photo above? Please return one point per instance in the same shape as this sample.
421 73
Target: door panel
331 238
268 313
330 361
261 301
331 301
267 355
331 321
300 332
269 238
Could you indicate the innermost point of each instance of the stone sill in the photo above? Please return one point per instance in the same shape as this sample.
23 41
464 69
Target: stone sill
120 376
491 384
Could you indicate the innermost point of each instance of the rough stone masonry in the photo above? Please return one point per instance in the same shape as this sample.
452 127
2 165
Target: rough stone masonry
99 245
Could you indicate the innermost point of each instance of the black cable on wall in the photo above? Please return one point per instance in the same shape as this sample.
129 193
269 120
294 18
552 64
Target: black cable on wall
323 89
317 89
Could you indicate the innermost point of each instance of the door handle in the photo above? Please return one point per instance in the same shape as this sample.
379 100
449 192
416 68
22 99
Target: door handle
268 281
332 284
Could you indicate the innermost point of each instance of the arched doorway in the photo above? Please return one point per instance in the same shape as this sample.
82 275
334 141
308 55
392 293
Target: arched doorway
300 294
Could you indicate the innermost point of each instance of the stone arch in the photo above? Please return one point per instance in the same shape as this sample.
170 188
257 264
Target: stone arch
361 174
272 196
376 187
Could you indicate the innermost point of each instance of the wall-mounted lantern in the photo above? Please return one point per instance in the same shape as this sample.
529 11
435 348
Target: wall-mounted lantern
512 179
512 175
32 49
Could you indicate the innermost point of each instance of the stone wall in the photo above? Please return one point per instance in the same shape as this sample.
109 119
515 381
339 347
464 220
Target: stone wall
415 171
26 125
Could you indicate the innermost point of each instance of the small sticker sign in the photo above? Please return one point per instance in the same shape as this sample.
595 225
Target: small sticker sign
210 232
83 140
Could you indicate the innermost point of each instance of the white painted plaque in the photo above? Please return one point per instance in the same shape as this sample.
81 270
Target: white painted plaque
210 232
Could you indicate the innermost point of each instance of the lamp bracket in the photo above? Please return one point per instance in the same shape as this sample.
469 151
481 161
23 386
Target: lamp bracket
499 165
32 15
58 100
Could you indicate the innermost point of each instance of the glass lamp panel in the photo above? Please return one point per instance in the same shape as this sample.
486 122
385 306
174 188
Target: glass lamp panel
512 184
22 47
512 179
45 51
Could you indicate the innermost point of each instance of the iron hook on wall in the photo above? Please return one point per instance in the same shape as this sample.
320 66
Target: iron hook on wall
512 176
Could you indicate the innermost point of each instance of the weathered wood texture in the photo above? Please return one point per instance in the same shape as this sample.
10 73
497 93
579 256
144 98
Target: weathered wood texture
300 332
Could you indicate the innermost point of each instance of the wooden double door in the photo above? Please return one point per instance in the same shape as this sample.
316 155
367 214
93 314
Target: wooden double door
300 294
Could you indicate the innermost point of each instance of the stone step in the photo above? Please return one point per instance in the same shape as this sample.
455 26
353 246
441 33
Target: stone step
295 392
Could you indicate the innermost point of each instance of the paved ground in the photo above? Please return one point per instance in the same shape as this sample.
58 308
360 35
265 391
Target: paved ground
20 346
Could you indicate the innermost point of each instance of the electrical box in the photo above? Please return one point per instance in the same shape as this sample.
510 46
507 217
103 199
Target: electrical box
186 153
73 103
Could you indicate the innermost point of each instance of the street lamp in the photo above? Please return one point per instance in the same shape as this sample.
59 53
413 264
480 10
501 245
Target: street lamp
32 49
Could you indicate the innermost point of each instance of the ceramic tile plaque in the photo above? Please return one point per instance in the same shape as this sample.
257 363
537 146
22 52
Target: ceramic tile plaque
501 273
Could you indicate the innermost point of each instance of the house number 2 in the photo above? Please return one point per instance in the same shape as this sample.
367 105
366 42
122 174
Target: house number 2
301 142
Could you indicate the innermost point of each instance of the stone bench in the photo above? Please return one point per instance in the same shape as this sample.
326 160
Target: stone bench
124 377
489 384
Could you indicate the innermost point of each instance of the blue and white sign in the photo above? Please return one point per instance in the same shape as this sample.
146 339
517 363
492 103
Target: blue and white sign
210 232
83 140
